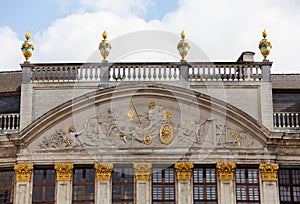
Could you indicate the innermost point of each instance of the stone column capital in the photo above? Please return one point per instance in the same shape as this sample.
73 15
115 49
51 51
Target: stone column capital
226 170
63 171
103 170
23 172
268 172
183 170
142 171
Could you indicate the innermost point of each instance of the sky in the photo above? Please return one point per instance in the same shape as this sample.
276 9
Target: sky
70 30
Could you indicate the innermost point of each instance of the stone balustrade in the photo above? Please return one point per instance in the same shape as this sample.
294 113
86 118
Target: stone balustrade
286 120
172 71
9 122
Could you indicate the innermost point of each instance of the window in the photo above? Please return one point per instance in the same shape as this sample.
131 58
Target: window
43 186
247 185
289 186
122 185
83 185
205 185
163 186
6 186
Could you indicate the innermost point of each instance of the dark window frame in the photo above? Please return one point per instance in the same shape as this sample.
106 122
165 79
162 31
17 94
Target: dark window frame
44 184
288 183
248 184
8 197
81 180
206 183
165 182
123 177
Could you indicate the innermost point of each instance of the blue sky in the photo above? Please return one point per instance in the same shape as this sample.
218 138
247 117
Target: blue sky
37 15
70 30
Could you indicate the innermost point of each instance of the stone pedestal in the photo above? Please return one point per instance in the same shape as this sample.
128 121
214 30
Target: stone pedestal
103 183
270 191
226 182
23 175
63 183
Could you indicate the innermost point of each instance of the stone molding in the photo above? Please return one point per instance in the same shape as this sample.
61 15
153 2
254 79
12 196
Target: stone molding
226 170
142 171
183 170
103 170
268 172
63 171
23 172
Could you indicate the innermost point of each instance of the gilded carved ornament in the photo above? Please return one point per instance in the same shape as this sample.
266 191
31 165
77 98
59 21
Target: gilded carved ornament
268 172
226 170
142 171
63 171
23 172
183 170
103 171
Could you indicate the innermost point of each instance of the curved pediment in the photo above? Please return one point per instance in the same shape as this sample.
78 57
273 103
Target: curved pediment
143 119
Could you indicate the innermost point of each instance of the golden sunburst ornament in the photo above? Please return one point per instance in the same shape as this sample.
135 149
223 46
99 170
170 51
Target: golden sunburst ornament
166 133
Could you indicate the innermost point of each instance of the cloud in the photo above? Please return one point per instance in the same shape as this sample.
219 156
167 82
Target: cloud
10 52
223 29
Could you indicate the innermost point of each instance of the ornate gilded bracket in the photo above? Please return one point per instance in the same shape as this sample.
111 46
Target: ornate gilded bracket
183 170
23 172
226 170
142 171
63 171
103 171
268 172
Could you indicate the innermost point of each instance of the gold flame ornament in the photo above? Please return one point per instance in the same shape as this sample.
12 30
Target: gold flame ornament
183 47
104 47
265 46
27 47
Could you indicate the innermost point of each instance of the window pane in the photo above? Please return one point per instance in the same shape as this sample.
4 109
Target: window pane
289 185
205 185
6 186
247 185
163 185
43 186
83 185
123 185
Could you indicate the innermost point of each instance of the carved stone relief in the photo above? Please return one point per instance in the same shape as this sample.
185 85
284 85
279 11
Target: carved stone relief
155 127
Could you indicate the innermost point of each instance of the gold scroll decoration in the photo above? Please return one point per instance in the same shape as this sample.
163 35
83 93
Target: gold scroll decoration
63 171
268 172
103 171
226 170
23 172
183 170
142 171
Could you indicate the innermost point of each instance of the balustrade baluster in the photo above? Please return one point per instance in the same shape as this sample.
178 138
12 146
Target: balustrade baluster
4 122
296 120
150 68
154 73
1 122
144 72
176 73
275 120
159 72
134 72
170 72
292 120
129 72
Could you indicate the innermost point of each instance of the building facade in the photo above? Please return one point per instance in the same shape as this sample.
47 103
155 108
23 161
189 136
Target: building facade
201 132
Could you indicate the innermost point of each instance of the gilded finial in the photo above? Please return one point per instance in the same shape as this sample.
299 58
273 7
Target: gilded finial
104 34
183 47
104 47
27 47
265 46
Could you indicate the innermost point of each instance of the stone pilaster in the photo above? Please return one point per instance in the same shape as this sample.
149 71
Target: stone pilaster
23 177
103 183
226 182
142 174
270 190
64 183
184 184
